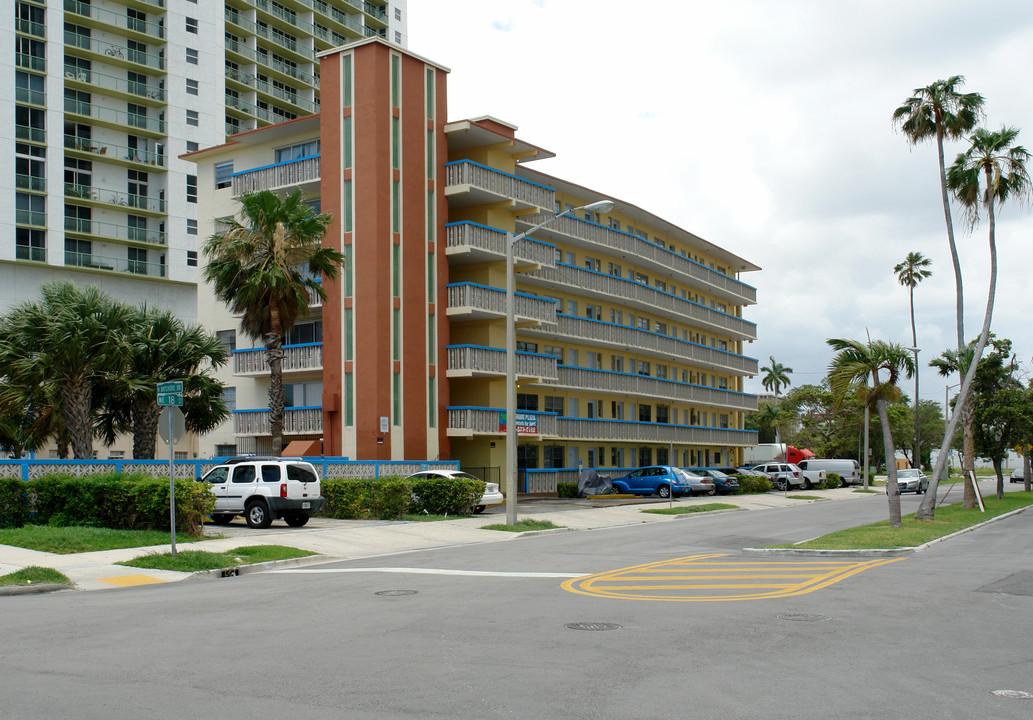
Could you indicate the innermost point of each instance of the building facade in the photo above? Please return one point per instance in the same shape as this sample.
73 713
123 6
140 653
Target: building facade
630 331
100 99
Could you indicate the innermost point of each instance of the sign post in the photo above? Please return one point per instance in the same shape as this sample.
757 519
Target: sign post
171 394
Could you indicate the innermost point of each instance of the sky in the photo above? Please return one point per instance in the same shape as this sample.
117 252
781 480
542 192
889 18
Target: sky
764 126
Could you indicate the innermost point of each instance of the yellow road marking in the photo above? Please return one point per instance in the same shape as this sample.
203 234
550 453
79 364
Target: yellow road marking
682 579
131 580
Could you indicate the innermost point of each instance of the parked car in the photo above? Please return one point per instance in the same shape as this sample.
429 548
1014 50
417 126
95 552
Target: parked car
491 495
911 480
723 484
662 480
1017 476
263 489
782 475
849 471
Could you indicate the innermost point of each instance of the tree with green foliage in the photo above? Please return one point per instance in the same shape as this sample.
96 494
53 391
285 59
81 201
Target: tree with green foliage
935 112
57 350
163 348
263 266
913 270
854 363
991 172
776 376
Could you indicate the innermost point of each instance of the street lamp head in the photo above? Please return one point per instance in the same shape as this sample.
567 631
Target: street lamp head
600 206
914 350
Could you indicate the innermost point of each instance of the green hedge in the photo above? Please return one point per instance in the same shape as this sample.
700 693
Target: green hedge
566 489
392 497
14 502
749 484
122 502
833 480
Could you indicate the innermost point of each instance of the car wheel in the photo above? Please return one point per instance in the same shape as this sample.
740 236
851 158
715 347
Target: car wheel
296 519
664 491
222 519
479 509
807 484
780 485
257 515
712 492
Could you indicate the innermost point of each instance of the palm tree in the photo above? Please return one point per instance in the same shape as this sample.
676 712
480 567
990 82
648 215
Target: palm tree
935 112
263 267
776 376
990 172
164 348
853 364
57 351
951 361
913 270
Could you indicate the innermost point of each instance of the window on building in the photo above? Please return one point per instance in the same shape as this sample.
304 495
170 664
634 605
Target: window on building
645 456
616 363
192 145
572 358
661 456
554 350
553 404
592 263
193 118
191 54
297 151
223 174
645 413
229 396
191 227
552 456
615 269
191 188
30 244
527 401
661 371
228 338
523 346
137 258
191 86
191 258
616 457
305 332
643 367
191 25
663 414
307 394
616 410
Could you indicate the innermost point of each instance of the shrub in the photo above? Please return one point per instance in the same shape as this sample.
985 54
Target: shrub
14 502
748 484
121 502
346 499
446 496
833 480
391 498
566 489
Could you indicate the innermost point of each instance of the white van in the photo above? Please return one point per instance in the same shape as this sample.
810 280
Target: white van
849 471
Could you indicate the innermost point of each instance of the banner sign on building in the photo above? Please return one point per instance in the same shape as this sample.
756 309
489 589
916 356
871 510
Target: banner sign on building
526 423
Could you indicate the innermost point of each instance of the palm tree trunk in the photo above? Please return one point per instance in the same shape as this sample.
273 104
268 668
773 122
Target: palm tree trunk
968 450
277 397
892 489
75 409
146 414
960 301
916 453
927 510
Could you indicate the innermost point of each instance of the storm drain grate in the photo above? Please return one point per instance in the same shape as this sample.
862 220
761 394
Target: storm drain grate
801 617
395 593
593 626
1013 694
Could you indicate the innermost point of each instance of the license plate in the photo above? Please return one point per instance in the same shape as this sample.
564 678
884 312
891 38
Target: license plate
305 506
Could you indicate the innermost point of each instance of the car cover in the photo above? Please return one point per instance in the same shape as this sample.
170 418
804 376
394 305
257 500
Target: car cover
589 482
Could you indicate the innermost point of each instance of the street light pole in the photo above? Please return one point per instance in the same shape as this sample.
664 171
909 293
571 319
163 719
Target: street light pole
511 433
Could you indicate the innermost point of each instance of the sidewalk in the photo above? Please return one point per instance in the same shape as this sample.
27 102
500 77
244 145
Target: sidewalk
355 539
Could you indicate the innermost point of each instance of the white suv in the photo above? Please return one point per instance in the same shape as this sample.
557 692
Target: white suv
263 489
782 475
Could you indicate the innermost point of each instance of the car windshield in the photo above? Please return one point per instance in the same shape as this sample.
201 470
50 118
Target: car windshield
685 476
909 473
465 476
717 474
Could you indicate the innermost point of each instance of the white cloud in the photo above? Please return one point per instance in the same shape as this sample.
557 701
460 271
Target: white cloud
765 128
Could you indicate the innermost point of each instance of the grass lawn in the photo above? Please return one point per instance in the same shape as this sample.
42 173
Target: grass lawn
195 560
72 539
692 509
34 575
523 526
949 519
805 497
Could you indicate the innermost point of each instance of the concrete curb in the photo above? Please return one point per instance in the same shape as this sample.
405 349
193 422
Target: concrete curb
33 589
237 570
880 552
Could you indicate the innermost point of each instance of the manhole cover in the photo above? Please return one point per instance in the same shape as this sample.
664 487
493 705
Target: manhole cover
1014 694
799 617
396 592
593 626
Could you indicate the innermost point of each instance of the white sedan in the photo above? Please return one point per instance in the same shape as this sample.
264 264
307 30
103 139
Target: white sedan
491 496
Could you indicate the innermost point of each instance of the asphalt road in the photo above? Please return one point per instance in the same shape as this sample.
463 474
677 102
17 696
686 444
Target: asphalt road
486 635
